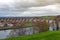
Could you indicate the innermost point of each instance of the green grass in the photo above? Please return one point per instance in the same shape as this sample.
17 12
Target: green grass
7 27
28 24
48 17
49 35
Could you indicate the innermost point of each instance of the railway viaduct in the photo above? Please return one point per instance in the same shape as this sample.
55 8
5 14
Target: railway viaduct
19 21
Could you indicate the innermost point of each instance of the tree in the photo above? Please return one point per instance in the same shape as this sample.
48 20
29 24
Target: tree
41 25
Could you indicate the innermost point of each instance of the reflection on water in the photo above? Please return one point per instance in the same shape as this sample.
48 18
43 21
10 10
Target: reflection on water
20 32
17 32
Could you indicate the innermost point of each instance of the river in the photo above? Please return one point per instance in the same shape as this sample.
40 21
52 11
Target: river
17 32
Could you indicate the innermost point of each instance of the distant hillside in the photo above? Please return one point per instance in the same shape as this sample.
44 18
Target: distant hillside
48 17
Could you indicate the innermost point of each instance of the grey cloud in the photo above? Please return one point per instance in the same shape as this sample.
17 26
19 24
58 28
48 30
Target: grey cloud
24 5
34 3
25 8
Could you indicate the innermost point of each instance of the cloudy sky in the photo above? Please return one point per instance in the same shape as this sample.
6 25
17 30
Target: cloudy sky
29 8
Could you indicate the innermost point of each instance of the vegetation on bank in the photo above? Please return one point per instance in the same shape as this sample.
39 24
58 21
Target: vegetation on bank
49 17
49 35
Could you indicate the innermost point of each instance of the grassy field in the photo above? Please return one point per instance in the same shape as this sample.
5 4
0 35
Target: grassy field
26 24
49 35
48 17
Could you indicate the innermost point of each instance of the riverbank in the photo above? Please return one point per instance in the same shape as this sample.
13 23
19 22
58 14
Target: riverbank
26 24
49 35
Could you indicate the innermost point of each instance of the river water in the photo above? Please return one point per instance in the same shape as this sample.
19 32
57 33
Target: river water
17 32
4 33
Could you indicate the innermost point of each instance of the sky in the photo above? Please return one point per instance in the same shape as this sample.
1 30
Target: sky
23 8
